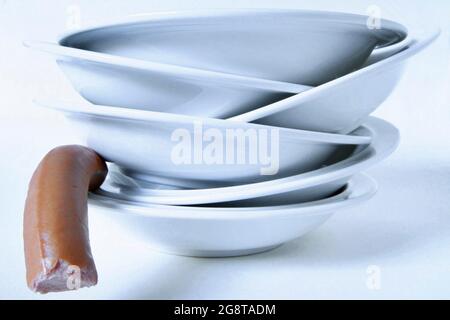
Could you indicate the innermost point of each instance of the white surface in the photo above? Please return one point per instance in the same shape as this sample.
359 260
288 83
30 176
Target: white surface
404 230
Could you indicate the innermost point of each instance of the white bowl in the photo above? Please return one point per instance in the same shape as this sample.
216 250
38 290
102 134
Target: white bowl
341 105
309 186
174 149
307 47
221 232
130 83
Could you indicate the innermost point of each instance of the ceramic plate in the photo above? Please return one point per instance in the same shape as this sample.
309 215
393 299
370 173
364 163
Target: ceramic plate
131 83
200 152
308 186
343 104
145 63
221 232
308 47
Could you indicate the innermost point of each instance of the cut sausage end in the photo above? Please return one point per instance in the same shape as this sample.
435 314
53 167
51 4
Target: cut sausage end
58 275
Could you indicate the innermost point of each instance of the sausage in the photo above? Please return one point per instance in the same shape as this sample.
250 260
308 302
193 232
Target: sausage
55 228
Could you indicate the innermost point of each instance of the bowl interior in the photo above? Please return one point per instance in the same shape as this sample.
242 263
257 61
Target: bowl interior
292 46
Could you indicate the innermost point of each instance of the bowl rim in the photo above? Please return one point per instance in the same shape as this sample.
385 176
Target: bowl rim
415 47
189 73
385 140
126 114
179 72
205 15
359 189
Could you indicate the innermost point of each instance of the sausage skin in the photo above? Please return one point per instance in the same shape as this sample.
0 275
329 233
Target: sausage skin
56 237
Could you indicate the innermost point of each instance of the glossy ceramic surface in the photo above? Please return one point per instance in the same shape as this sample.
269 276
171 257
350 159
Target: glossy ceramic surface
148 144
343 104
307 47
130 83
221 232
309 186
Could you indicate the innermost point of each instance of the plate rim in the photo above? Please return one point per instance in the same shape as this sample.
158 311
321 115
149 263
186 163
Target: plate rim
385 140
179 15
359 189
72 109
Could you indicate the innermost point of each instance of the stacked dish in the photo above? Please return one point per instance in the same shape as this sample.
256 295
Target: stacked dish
232 132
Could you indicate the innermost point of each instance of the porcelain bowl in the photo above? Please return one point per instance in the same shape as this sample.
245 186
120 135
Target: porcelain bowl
223 232
307 47
199 152
105 79
341 105
309 186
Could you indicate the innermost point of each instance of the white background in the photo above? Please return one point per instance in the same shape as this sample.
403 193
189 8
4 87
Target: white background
404 230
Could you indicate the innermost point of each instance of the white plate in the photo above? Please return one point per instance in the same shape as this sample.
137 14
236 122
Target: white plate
120 186
308 186
343 104
130 83
221 232
121 81
308 47
145 144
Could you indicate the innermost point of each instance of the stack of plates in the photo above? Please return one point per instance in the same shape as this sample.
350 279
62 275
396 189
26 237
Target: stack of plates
232 132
